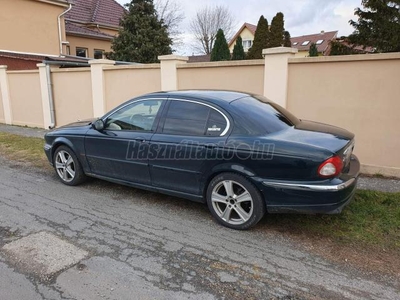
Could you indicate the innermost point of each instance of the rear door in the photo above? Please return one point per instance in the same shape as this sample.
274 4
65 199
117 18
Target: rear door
120 150
187 142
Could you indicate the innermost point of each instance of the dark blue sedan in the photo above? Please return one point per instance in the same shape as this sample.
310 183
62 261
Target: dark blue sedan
241 154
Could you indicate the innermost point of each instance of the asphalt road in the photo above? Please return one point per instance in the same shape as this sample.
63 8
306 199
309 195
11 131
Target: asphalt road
141 245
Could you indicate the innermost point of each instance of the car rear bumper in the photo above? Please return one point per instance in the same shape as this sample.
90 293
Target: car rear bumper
325 196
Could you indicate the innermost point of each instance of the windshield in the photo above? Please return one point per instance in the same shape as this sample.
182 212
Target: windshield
262 116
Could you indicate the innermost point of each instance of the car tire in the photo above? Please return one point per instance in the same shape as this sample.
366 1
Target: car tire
234 201
68 167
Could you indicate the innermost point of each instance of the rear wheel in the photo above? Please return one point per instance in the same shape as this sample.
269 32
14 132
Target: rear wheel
67 166
234 201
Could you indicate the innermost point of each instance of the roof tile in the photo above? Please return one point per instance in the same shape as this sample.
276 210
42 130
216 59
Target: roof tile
199 58
325 37
103 12
72 28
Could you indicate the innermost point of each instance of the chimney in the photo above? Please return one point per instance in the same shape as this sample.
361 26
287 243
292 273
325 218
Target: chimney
322 31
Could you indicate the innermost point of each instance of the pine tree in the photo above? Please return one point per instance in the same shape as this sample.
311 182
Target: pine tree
277 31
238 51
221 50
261 39
378 25
313 50
142 37
287 42
338 48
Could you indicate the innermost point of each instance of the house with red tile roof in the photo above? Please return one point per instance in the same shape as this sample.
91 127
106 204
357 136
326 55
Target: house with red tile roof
34 29
322 40
246 32
91 25
302 43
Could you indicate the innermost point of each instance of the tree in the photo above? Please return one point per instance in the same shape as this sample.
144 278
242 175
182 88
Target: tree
171 13
142 37
286 41
277 31
204 26
238 51
261 39
313 51
342 47
221 50
378 25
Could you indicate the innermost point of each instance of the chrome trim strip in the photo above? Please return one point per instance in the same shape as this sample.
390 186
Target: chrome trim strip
228 123
310 187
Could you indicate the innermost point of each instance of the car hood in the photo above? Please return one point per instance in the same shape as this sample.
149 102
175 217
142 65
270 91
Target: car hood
317 134
79 123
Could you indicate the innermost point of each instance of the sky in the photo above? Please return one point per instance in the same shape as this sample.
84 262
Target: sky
302 17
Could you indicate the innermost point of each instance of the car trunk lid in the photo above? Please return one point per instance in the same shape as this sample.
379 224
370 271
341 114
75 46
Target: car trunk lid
320 135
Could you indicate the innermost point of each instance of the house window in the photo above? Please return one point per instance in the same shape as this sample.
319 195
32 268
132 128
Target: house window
295 43
68 50
82 52
319 42
305 43
98 54
247 44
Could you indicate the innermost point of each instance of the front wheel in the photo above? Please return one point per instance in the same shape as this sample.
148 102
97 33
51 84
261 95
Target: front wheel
234 201
67 166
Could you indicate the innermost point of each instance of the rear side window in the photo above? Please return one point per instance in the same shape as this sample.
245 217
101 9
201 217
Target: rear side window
216 124
193 119
259 116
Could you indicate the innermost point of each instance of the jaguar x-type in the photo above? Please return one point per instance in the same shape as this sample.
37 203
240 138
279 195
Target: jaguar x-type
240 153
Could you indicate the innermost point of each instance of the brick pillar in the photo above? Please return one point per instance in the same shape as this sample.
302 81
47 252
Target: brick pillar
169 74
5 95
276 73
98 87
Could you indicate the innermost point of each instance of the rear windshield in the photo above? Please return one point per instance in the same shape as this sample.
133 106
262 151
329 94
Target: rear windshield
261 116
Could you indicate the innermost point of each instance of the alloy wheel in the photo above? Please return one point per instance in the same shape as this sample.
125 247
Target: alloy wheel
65 166
232 202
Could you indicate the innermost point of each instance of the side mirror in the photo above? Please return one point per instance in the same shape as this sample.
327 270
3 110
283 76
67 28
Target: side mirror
98 125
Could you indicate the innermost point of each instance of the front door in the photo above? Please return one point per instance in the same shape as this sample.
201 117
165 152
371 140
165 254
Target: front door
116 152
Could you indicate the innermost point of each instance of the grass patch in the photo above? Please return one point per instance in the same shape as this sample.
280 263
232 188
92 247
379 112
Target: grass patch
23 149
371 219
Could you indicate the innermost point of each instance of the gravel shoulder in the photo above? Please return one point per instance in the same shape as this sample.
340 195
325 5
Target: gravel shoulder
23 131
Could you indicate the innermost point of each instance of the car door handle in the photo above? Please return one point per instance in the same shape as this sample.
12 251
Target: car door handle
140 140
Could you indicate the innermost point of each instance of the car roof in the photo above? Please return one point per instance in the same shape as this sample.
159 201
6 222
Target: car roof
214 96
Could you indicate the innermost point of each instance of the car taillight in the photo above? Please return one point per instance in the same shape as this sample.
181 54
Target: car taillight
331 167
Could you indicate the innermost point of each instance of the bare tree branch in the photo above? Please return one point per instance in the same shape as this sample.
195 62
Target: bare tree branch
204 26
171 12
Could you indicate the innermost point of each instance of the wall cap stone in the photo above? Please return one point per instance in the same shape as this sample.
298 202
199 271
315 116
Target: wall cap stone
173 57
345 58
279 50
101 62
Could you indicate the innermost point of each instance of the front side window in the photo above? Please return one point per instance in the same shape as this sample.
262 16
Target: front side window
138 116
193 119
82 52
